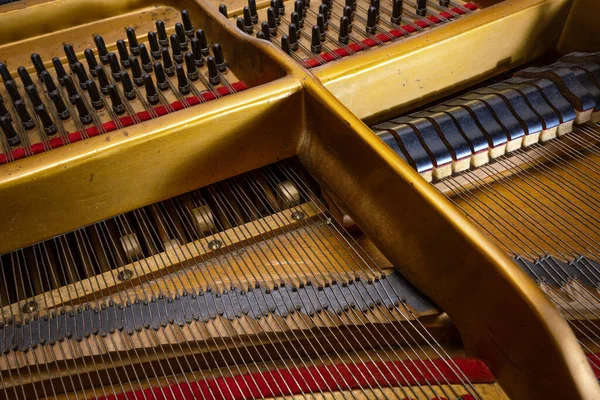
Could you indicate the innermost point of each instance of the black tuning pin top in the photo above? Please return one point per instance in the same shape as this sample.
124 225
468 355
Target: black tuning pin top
182 82
272 21
38 64
134 47
344 36
421 8
261 35
181 35
396 11
248 26
223 10
102 79
146 61
13 92
47 122
91 61
219 57
281 6
285 44
136 71
293 37
48 81
123 53
59 104
275 12
322 26
70 52
213 73
329 4
162 33
323 9
376 3
299 8
190 65
79 71
84 114
197 53
264 28
115 68
315 40
95 97
33 95
6 76
176 49
3 110
128 88
371 20
9 131
151 93
350 14
445 3
25 78
253 11
201 36
168 62
59 69
117 103
101 47
154 46
26 121
161 78
350 3
70 86
295 20
239 22
187 23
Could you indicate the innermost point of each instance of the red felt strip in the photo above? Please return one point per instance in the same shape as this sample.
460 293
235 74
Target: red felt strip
594 360
287 382
125 121
383 37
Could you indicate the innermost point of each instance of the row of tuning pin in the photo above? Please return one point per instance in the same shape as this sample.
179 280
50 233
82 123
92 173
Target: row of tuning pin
290 42
165 58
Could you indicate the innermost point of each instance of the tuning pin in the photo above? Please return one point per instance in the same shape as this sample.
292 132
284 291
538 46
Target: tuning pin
101 47
187 23
70 52
421 8
371 20
3 111
84 114
192 70
25 78
322 27
13 92
161 78
146 61
264 28
275 12
33 95
261 35
102 79
133 42
128 88
154 46
182 82
115 68
151 93
91 61
47 122
271 21
350 3
79 71
201 36
136 71
239 22
59 69
350 15
48 81
162 33
396 11
219 58
325 11
95 97
248 26
344 34
295 19
223 10
197 53
12 137
38 64
253 11
315 40
168 62
26 121
6 76
281 6
59 104
117 103
70 86
176 49
123 53
181 36
285 44
293 37
445 3
329 4
299 8
213 73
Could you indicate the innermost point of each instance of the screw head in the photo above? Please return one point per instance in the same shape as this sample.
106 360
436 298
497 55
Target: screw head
125 275
298 215
215 244
29 307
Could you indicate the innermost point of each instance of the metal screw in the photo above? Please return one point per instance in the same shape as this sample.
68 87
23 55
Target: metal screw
29 307
298 215
215 244
125 275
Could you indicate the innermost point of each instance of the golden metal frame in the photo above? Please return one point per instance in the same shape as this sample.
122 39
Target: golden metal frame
502 315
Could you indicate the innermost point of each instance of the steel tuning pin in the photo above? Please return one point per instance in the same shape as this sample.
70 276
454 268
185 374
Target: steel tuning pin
299 8
315 40
59 69
275 11
371 20
70 86
182 82
322 26
102 79
248 26
151 93
13 92
25 78
223 10
344 36
397 6
91 61
12 137
293 37
123 53
253 11
128 89
325 11
281 6
161 78
84 114
38 64
134 47
285 44
95 97
168 62
190 65
213 73
421 8
26 121
295 20
197 52
34 96
79 71
376 4
117 103
115 68
101 47
181 35
201 36
70 52
6 76
163 40
219 57
136 71
239 22
176 49
146 60
154 46
47 122
264 28
272 21
187 23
